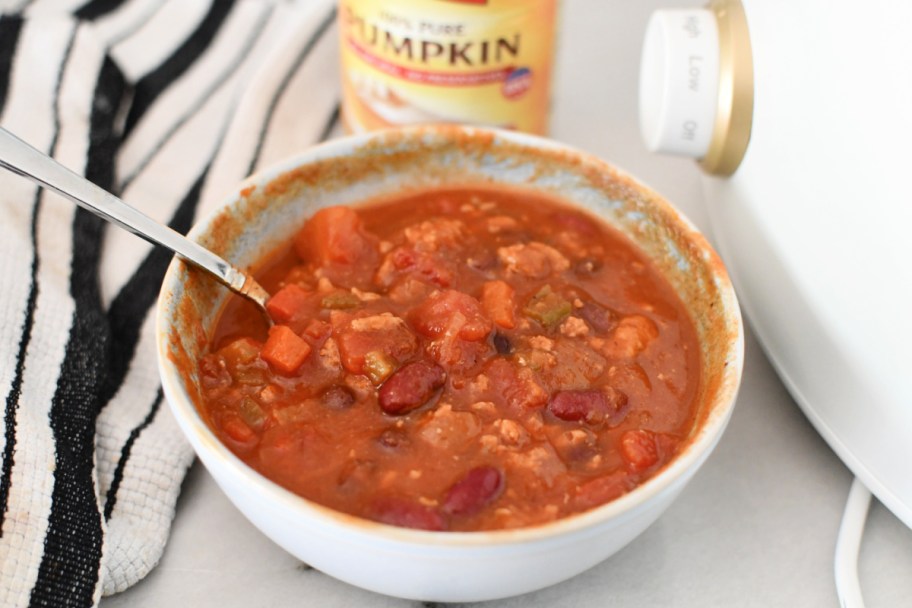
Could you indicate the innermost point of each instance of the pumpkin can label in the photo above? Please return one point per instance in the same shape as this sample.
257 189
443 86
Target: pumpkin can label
481 62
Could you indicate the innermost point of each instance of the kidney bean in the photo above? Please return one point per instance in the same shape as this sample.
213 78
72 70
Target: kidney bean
592 406
213 372
480 487
597 316
407 514
393 439
502 344
410 387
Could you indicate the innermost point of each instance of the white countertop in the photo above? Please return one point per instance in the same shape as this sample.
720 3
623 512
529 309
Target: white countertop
756 527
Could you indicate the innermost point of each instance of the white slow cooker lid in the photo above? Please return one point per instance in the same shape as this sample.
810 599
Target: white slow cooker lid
816 223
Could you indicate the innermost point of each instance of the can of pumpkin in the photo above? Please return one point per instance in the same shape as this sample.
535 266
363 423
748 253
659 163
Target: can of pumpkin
484 62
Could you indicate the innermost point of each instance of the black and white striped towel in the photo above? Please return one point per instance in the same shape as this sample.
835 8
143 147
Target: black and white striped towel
168 103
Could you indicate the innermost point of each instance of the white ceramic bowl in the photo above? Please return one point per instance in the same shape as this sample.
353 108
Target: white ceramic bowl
446 566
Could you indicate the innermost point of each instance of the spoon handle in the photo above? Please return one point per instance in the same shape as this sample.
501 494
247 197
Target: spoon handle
22 159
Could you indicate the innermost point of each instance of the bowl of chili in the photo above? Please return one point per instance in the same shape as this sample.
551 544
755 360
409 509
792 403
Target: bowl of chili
491 360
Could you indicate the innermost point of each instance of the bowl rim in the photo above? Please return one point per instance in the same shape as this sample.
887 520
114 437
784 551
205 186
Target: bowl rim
695 451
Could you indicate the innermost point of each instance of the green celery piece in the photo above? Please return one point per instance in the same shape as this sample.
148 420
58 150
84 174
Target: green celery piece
251 375
548 307
252 413
241 351
378 366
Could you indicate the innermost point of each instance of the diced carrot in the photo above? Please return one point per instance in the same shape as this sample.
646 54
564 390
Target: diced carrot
498 303
284 350
286 302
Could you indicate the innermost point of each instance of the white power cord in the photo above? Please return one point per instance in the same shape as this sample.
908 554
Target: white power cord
848 544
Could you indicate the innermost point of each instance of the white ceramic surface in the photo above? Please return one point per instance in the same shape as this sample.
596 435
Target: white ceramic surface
430 565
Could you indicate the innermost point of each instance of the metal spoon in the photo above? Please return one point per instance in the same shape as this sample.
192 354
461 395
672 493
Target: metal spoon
22 159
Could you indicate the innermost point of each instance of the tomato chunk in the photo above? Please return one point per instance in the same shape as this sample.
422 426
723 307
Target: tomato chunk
639 449
318 330
642 449
286 303
333 235
600 490
436 315
498 302
515 385
239 432
294 451
406 261
384 334
284 350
